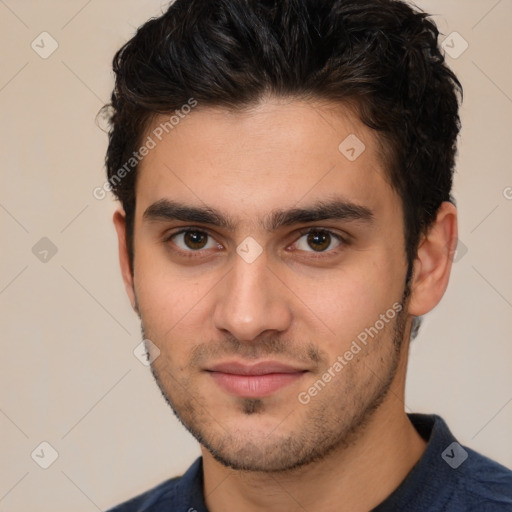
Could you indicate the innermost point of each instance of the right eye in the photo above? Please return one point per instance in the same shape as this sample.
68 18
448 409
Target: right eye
193 240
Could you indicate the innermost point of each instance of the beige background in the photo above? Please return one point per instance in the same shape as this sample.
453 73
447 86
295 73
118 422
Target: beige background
69 376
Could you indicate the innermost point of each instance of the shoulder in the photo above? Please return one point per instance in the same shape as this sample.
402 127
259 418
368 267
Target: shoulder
179 493
472 482
450 476
158 495
484 484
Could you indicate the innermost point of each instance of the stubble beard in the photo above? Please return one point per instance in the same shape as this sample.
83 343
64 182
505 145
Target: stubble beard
321 428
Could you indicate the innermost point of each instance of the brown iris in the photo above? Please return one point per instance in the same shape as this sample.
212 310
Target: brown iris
195 239
320 239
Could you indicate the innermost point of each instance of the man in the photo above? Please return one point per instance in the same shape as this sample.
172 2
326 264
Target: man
284 170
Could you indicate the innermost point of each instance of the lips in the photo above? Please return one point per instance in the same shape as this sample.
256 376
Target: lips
256 380
262 368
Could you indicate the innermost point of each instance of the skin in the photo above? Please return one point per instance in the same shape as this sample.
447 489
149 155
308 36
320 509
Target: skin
301 302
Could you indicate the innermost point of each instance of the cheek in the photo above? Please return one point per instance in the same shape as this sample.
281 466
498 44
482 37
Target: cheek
172 300
347 300
160 292
168 316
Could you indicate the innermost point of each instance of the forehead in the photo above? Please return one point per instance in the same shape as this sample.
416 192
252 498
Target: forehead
275 155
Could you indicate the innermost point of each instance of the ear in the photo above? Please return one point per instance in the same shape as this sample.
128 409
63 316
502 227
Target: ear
124 260
433 262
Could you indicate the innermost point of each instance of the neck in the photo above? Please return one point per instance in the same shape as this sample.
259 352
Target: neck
353 478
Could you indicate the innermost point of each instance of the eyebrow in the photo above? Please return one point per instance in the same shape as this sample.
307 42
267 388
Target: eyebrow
337 209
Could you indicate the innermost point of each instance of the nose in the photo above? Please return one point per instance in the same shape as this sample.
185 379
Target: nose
251 300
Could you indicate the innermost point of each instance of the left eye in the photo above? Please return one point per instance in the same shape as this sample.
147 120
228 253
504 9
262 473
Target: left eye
318 241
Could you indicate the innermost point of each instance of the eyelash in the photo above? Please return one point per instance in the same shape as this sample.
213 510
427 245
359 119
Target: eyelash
314 255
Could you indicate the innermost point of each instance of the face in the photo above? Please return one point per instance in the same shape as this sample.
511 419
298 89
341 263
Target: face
269 271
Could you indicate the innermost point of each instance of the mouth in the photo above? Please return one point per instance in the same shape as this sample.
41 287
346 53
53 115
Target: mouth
256 380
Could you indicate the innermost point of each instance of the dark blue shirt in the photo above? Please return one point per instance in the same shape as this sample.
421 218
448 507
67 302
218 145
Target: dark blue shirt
448 478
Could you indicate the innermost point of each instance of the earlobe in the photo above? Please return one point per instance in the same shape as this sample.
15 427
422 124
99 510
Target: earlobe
433 262
124 259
